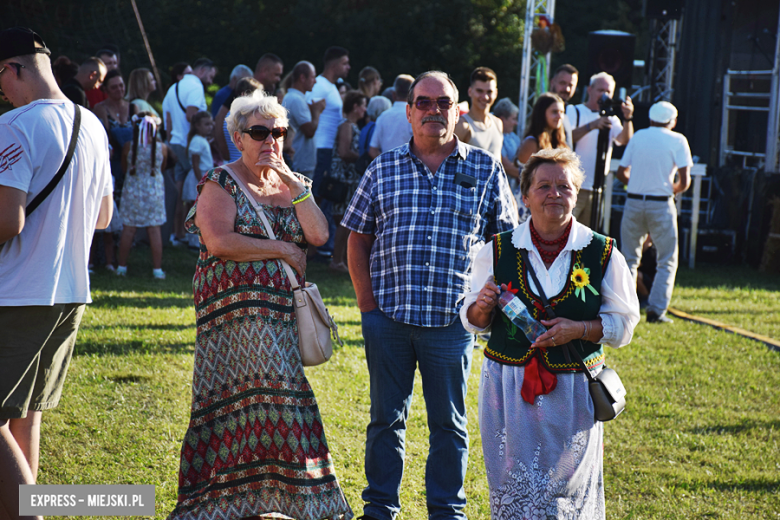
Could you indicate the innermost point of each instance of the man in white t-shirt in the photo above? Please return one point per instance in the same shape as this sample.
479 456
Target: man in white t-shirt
648 167
184 99
268 71
46 229
586 123
393 128
304 117
336 66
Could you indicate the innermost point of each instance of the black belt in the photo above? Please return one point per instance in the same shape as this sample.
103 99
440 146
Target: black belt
661 198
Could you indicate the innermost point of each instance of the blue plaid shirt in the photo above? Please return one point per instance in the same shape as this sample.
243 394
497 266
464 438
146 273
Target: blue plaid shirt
428 229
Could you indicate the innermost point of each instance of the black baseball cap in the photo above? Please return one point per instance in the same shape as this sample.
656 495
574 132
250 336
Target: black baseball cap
19 41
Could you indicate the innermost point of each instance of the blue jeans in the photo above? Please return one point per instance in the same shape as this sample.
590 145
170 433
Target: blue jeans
443 354
324 157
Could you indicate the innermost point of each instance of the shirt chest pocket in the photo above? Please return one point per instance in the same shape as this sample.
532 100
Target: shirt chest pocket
466 205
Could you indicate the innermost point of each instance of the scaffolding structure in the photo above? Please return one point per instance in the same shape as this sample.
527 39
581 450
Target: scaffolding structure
664 52
528 79
773 125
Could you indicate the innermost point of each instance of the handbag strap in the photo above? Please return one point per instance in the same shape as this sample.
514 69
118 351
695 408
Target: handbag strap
179 100
45 192
568 347
268 229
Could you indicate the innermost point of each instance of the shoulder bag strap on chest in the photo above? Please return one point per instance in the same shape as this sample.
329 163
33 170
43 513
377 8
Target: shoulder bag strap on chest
45 192
268 229
179 100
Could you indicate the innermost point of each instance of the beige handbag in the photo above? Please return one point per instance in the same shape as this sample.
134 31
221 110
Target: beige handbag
315 325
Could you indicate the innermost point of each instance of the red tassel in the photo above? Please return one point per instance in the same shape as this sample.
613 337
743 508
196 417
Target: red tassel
537 380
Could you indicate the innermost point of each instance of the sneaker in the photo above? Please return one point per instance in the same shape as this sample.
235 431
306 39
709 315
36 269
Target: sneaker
652 317
111 268
121 270
158 274
193 242
175 242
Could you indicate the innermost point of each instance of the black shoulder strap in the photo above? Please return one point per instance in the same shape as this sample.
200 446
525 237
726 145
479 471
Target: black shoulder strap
568 348
65 163
179 100
578 117
547 307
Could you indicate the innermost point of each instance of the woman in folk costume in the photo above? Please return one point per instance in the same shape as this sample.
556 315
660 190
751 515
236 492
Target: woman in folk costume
542 447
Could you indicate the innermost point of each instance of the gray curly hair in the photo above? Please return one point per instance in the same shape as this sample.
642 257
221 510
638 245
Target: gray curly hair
257 103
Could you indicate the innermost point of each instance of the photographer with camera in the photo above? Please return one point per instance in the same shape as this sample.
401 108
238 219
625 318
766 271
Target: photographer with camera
587 120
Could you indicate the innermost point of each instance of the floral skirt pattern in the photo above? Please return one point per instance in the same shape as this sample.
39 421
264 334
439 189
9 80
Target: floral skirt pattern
143 194
543 461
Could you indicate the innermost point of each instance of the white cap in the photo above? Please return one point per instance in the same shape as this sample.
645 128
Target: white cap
662 112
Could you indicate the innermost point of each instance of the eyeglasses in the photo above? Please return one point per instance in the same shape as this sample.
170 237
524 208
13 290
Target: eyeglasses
18 66
426 104
261 133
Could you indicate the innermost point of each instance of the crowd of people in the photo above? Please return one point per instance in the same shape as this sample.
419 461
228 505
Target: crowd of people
434 209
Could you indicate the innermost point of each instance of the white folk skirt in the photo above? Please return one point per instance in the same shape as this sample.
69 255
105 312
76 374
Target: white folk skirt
544 461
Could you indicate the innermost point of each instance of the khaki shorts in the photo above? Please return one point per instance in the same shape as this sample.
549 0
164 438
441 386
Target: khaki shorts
36 344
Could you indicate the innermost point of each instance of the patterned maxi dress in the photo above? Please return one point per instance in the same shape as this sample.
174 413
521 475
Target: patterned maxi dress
255 443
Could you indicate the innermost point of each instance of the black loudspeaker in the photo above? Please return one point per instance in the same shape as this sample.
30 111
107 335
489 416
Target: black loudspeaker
663 9
611 52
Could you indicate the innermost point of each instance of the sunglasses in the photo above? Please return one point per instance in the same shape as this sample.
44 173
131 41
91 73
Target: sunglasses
425 104
18 66
261 133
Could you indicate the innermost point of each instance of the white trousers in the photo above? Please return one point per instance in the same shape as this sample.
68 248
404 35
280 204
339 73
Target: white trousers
659 219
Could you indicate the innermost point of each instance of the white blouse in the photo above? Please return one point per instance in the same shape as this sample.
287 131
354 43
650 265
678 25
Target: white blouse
619 311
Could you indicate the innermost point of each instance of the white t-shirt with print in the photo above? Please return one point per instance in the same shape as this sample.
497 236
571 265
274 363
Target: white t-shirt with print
46 263
330 118
191 94
586 147
654 155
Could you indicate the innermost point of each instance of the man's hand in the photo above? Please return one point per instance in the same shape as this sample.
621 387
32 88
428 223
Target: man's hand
628 108
602 123
316 107
358 256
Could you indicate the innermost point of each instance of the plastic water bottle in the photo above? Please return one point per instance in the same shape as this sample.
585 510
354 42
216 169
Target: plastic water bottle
514 309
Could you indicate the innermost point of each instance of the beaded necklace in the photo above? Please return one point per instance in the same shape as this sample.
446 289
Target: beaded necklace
548 257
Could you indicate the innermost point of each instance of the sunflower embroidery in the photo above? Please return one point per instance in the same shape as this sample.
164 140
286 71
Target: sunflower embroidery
581 278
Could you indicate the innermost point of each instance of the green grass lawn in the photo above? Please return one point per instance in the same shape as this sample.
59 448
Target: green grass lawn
699 438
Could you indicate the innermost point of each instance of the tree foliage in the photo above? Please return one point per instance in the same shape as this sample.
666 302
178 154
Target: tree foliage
395 36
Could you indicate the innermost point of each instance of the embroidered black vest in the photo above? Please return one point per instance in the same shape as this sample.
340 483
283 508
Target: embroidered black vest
508 345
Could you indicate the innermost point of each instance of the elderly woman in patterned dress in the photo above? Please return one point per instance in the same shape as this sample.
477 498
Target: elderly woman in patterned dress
543 449
255 445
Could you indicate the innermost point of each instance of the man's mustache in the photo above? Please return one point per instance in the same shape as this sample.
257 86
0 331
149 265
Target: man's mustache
434 119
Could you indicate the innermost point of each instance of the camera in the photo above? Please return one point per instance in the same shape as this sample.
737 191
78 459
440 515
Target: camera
609 106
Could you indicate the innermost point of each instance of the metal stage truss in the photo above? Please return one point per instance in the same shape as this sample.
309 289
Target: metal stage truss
528 79
664 51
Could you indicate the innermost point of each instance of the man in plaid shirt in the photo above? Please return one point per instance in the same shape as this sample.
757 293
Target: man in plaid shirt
418 218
